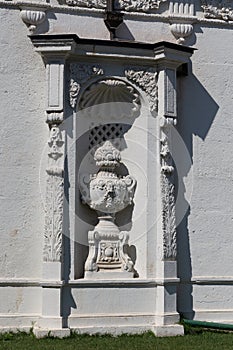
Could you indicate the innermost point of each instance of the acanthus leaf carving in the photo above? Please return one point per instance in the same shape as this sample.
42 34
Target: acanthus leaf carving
218 9
168 192
147 81
139 5
124 5
168 218
99 4
79 74
54 197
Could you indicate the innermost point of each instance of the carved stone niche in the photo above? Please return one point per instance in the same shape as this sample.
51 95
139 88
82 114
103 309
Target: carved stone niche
111 104
111 109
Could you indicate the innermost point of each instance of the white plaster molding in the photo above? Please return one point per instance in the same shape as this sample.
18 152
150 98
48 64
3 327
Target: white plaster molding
181 26
80 74
149 283
54 117
125 5
222 9
147 81
181 31
100 99
209 18
182 7
19 282
140 5
52 250
33 17
211 280
168 192
55 86
54 197
99 4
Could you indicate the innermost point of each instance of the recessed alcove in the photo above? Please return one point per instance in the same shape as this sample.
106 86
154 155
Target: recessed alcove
107 110
115 103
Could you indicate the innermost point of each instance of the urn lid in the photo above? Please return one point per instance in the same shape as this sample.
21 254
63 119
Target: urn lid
107 155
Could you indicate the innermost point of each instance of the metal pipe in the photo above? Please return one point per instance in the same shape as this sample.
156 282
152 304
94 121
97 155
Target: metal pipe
211 325
110 5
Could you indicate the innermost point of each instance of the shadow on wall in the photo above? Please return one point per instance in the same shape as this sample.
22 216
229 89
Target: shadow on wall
196 113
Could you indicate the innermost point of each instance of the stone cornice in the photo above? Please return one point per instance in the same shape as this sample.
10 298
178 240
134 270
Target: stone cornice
164 17
65 40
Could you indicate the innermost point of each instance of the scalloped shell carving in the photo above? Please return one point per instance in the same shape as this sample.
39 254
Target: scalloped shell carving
110 98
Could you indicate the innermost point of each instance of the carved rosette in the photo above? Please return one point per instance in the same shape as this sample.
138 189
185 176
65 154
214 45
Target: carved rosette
147 81
168 191
54 197
107 193
79 74
123 5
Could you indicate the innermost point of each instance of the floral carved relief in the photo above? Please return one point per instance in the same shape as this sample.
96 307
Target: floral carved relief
79 74
214 9
54 197
168 192
147 81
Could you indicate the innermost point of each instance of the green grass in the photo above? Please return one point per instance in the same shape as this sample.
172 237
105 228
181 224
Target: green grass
198 340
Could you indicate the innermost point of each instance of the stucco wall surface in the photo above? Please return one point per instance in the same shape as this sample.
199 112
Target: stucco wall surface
23 137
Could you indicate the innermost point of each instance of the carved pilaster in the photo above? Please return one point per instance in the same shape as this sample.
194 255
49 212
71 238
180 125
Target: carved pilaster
54 197
167 190
55 168
79 74
147 81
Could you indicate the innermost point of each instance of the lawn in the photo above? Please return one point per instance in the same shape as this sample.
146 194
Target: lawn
202 341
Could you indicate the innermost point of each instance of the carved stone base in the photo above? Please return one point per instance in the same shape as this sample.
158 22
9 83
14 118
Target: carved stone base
107 258
168 330
56 333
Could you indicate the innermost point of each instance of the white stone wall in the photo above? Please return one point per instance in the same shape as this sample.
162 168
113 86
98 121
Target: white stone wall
204 122
206 126
23 137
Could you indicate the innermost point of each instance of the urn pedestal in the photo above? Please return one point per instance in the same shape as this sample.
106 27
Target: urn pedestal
107 259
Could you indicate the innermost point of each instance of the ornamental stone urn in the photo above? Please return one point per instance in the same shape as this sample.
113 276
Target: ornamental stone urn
108 193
